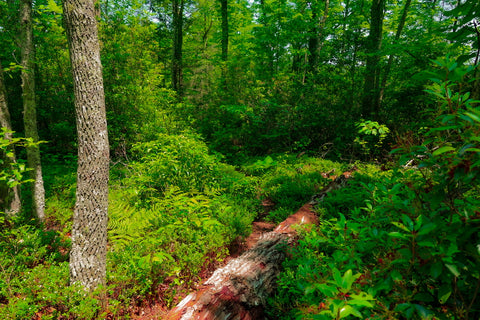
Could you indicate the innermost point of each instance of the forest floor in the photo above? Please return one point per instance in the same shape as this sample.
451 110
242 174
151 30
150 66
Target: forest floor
156 311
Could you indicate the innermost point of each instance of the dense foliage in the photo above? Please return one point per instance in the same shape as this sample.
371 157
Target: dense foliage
207 123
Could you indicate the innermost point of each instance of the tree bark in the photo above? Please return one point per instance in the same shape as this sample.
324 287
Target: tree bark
372 72
89 233
177 64
29 107
386 73
9 197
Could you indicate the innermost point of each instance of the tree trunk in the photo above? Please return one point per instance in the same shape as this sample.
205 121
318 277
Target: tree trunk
315 41
9 197
224 14
177 64
372 72
240 289
224 11
89 233
29 107
386 73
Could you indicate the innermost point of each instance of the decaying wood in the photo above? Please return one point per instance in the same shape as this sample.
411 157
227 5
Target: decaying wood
239 290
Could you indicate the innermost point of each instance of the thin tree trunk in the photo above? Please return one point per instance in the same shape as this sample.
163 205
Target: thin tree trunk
321 25
476 86
386 73
372 72
89 232
9 197
29 107
224 11
224 14
177 64
316 34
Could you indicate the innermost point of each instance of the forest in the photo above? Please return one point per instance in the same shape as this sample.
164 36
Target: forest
141 140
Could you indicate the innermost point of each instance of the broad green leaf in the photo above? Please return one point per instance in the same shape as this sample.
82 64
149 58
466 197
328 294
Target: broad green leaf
436 269
442 150
347 280
418 222
444 293
473 116
401 226
337 277
396 234
427 228
326 289
453 269
407 222
349 310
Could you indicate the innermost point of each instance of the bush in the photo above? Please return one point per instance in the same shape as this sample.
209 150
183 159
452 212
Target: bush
410 248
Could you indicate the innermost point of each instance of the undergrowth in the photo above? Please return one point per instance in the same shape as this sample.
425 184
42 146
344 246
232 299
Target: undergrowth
403 244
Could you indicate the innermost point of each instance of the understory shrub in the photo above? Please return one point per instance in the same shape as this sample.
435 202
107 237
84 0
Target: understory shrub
290 182
408 244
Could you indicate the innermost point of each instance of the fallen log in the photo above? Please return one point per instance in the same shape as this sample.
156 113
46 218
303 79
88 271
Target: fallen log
240 289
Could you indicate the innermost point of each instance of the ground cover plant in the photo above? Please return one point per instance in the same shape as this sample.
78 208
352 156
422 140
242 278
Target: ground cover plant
402 243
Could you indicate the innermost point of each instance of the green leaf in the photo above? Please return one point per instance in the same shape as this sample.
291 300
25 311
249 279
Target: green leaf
423 312
444 293
349 310
396 234
337 277
442 150
427 228
407 222
453 269
401 226
474 117
436 269
347 280
326 289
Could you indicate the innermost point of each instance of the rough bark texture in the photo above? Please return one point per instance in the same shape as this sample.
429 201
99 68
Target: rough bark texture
372 72
29 107
9 197
239 290
89 233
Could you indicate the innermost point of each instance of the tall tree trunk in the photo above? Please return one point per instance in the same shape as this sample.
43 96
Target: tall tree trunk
315 42
386 73
372 72
9 197
476 86
29 107
177 65
89 233
224 14
224 11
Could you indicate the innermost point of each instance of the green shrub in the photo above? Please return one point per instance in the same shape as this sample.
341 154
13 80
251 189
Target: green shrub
411 236
172 160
